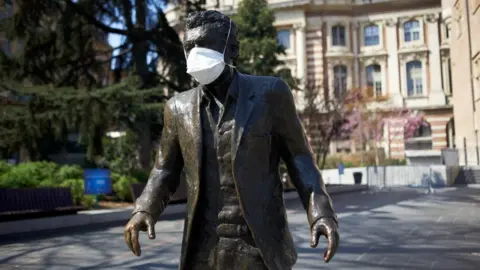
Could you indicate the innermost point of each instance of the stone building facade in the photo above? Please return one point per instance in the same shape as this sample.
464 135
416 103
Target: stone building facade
463 18
398 48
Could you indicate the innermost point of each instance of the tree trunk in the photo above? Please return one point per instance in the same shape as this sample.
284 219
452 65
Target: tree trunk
140 52
144 145
23 154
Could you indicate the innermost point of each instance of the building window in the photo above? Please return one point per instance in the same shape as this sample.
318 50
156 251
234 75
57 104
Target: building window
411 31
340 80
374 80
414 78
283 38
338 35
447 32
421 139
371 34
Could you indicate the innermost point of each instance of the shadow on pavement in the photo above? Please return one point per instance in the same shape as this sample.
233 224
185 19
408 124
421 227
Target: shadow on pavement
396 236
32 236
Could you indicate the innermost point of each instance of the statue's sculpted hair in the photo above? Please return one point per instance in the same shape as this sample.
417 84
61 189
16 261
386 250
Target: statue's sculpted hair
211 18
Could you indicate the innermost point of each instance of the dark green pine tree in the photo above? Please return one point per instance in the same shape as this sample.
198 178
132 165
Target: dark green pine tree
60 59
147 38
259 49
50 49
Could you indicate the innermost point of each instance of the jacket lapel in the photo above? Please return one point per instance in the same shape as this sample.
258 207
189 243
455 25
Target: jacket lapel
243 111
197 128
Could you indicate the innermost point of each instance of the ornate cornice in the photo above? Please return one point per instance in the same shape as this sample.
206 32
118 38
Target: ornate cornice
299 26
391 22
414 55
347 61
431 18
373 59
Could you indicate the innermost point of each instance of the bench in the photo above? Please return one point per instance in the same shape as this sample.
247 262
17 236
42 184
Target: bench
26 203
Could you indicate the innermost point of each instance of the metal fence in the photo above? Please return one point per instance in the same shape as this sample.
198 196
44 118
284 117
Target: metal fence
407 176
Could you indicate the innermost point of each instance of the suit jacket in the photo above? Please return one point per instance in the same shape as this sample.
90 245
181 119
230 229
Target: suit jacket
266 129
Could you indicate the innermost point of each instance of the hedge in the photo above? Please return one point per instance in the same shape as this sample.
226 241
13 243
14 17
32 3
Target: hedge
49 174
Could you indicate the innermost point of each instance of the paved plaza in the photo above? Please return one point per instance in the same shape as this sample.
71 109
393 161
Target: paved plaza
398 229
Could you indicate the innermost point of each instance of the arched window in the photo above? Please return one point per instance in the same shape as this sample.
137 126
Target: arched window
338 35
421 139
374 79
414 78
371 35
340 80
411 31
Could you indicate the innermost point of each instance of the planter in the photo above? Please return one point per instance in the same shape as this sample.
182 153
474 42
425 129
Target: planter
357 176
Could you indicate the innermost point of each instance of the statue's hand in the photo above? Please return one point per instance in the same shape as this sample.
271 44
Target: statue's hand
327 227
140 221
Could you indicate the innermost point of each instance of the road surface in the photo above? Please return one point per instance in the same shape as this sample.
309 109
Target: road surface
400 229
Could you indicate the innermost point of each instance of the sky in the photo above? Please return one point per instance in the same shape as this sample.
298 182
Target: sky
115 40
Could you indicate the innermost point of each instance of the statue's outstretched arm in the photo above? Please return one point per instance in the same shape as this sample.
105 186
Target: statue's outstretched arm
162 183
302 169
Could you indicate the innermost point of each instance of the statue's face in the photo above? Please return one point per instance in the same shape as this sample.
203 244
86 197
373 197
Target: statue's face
207 36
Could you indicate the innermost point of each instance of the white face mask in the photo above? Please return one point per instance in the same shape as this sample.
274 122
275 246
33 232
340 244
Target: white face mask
206 65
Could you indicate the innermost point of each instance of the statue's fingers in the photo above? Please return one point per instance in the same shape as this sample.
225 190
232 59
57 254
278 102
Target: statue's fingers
315 235
128 239
333 239
136 245
150 228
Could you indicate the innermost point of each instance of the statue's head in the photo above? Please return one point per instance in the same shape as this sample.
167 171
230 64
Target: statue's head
210 29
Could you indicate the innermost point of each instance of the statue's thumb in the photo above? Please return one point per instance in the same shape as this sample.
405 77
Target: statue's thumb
150 229
314 238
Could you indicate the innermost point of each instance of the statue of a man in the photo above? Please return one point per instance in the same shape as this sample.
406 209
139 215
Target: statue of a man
228 135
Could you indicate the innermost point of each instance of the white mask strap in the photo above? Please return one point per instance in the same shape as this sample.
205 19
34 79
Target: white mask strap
228 36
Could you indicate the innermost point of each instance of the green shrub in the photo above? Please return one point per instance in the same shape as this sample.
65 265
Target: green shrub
4 167
28 175
101 197
48 174
77 189
115 177
121 187
88 200
68 172
394 162
141 175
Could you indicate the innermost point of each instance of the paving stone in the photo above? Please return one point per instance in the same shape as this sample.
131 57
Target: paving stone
399 229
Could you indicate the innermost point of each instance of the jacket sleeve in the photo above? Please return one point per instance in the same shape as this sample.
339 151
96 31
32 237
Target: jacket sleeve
165 175
297 154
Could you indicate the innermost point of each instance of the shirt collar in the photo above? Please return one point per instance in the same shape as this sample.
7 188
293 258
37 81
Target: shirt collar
232 89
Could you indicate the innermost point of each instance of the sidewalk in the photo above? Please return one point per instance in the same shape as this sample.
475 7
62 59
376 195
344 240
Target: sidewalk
91 217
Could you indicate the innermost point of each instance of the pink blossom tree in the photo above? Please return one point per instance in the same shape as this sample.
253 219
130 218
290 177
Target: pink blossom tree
327 119
352 116
369 124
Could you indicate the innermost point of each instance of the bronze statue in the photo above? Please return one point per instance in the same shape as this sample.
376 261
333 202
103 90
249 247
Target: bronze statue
228 136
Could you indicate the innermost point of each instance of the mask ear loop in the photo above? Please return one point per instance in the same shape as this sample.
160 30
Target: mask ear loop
226 43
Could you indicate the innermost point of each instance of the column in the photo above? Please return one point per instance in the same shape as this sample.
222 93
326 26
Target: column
391 47
444 54
355 55
436 95
300 51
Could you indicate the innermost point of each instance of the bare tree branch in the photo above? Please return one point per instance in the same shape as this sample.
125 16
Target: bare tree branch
91 19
